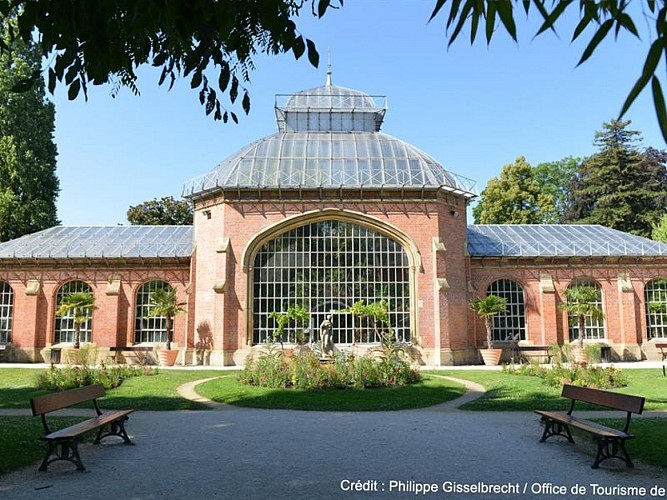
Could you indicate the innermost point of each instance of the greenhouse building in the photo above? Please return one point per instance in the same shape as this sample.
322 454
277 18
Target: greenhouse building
326 213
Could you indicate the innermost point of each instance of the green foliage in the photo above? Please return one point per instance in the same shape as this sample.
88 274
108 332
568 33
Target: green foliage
659 230
554 179
296 314
598 17
163 212
515 198
581 302
620 186
377 313
305 371
70 377
80 306
486 309
163 302
28 182
210 42
574 374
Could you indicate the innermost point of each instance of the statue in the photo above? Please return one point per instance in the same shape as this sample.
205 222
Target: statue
326 338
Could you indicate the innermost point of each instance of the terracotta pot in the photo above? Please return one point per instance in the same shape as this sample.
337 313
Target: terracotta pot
491 357
167 357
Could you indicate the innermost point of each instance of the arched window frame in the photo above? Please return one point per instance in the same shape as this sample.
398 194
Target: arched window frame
6 312
594 329
64 330
147 328
511 325
655 302
402 321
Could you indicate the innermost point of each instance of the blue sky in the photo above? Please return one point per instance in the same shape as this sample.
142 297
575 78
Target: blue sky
474 109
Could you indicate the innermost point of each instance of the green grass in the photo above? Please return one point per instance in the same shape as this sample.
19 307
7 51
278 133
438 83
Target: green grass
507 392
20 439
650 440
428 392
158 392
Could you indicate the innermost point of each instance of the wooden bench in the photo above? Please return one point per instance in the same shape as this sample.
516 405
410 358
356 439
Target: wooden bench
663 351
133 348
609 441
64 443
520 352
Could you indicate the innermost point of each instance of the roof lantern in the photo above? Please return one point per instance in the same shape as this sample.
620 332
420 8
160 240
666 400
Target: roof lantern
329 138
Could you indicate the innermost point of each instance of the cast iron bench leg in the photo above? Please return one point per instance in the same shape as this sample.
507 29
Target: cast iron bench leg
116 428
609 448
65 450
554 428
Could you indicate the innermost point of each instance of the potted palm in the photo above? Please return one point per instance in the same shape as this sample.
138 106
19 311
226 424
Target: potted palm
486 309
80 306
581 302
163 302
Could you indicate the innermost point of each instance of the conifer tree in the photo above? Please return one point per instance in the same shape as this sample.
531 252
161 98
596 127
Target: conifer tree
620 186
28 183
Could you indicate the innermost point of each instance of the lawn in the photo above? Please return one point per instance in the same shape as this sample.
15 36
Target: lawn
20 439
506 392
158 392
430 391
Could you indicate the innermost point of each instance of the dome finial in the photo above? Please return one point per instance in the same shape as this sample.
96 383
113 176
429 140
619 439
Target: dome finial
328 83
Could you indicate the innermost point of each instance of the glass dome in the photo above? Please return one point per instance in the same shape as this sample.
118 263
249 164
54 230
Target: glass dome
328 137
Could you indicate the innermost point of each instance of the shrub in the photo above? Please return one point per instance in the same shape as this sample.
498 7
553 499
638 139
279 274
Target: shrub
305 370
71 377
581 375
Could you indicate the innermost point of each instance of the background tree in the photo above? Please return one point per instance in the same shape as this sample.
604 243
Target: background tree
659 230
514 198
619 186
163 212
28 183
554 178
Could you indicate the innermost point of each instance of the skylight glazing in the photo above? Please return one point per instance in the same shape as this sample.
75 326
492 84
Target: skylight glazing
575 240
329 138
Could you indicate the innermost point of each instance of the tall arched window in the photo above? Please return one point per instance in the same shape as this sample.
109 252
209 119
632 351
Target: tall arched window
510 325
655 299
327 266
593 329
65 329
149 328
6 310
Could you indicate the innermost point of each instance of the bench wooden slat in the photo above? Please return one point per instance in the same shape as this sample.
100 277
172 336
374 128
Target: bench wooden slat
64 399
585 425
614 400
86 426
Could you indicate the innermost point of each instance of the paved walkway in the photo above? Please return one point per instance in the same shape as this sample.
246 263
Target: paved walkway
233 452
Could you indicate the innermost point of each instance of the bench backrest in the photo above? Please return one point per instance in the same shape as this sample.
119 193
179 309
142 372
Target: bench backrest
625 402
59 400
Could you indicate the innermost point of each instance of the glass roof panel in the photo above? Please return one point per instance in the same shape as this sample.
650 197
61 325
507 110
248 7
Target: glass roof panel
556 240
101 242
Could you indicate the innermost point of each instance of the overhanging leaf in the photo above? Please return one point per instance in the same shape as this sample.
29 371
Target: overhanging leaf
650 65
659 104
599 35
